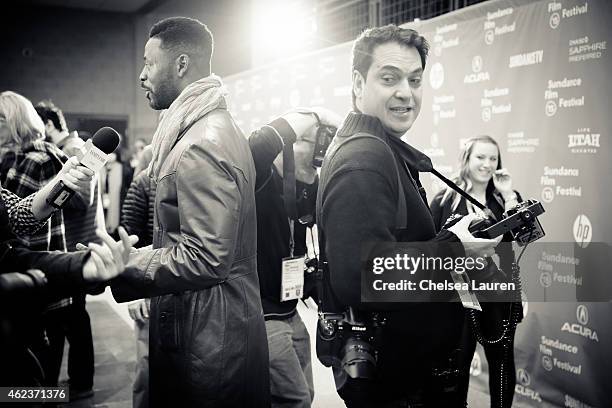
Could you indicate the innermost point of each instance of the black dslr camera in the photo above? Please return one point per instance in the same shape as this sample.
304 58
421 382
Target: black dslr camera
522 221
325 134
350 342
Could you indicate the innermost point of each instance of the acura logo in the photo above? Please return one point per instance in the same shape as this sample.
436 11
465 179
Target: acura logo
523 377
582 314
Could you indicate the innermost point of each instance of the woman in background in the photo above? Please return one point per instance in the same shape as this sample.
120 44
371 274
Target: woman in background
481 174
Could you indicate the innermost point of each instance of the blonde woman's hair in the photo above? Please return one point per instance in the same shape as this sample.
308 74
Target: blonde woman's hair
463 179
20 118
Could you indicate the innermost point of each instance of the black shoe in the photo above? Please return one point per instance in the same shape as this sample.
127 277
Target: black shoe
74 393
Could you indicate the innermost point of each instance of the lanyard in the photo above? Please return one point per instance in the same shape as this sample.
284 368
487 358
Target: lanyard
291 237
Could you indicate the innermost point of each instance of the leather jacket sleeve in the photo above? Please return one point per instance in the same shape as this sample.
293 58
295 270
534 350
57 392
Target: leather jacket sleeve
208 202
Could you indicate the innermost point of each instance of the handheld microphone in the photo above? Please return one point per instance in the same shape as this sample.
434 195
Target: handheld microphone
93 155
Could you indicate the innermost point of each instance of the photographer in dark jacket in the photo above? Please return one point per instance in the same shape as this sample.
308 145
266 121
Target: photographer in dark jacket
281 237
359 202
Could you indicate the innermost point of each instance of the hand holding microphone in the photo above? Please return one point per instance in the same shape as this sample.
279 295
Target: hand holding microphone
92 157
75 176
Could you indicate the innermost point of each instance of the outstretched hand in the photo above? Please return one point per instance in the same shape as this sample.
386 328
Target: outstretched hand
108 260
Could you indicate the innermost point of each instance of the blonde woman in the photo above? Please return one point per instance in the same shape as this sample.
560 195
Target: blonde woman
481 174
27 164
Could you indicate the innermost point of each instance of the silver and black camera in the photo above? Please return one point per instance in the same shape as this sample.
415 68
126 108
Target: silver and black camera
521 221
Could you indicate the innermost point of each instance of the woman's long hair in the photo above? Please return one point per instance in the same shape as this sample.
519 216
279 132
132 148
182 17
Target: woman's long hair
20 118
463 179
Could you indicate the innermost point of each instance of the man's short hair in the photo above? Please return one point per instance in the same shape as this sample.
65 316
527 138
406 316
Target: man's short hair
185 35
48 111
363 47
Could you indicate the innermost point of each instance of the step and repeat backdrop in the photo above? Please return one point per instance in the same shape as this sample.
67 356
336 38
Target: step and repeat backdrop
535 75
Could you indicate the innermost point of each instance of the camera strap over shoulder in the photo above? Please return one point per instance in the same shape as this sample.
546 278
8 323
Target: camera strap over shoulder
289 182
401 218
327 302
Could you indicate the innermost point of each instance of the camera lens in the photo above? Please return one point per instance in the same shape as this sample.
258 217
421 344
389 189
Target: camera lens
359 360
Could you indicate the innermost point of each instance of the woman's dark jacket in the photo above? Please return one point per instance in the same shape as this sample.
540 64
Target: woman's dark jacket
23 295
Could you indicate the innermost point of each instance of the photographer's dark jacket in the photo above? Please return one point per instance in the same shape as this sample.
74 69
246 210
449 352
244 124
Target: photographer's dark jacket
359 204
273 231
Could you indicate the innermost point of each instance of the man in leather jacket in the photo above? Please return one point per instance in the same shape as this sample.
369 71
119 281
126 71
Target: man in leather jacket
207 338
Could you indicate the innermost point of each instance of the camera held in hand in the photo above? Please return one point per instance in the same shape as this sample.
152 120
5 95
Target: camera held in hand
522 221
324 137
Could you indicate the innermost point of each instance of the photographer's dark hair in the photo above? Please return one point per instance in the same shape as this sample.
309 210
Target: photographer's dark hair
185 35
364 45
48 111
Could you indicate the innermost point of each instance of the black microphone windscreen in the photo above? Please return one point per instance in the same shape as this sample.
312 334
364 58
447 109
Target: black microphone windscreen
106 139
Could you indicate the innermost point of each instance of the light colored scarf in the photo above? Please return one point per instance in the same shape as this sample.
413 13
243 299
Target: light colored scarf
196 100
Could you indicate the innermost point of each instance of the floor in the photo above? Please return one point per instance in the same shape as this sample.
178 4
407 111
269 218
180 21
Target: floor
115 350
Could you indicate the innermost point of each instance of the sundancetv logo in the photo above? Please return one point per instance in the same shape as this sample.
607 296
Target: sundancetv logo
580 328
523 381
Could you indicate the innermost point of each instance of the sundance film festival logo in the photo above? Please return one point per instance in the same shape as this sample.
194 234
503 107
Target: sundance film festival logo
551 108
558 12
554 21
547 363
583 231
436 76
486 114
548 194
546 279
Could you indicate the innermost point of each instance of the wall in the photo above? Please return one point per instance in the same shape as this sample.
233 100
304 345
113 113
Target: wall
88 62
82 60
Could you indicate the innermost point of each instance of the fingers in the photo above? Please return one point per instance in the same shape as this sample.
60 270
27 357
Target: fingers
102 250
83 172
144 310
101 271
71 163
107 256
128 242
114 247
81 247
132 310
327 116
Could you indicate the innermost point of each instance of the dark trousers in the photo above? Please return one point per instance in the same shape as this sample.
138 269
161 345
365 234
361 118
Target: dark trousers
500 357
71 323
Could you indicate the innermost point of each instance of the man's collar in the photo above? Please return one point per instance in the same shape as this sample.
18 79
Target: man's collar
356 122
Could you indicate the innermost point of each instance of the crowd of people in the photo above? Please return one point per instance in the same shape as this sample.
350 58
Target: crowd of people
221 257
